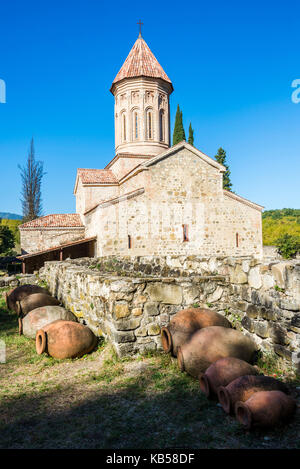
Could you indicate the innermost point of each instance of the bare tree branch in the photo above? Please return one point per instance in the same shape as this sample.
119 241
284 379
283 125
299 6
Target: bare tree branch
31 175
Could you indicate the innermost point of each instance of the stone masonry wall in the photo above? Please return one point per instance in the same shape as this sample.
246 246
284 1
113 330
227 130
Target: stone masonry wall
35 240
180 191
128 299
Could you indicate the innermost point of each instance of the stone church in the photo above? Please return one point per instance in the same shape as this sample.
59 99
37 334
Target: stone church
151 198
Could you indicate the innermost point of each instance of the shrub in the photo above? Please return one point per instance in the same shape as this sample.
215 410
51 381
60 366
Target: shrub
7 240
288 245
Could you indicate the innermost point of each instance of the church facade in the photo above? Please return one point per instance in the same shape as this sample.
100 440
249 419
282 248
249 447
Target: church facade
151 198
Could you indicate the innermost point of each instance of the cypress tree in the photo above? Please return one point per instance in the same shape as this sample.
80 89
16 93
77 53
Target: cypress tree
178 134
221 158
191 135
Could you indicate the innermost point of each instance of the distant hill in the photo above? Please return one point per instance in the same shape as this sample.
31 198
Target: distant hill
10 216
278 222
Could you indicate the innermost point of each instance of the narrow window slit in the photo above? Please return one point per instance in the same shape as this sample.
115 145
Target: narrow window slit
185 232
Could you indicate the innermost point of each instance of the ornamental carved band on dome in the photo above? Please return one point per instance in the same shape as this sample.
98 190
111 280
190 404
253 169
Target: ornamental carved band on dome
149 95
135 96
162 100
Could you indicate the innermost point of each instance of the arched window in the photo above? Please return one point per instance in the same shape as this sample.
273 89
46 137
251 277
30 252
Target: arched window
135 125
124 127
161 126
149 124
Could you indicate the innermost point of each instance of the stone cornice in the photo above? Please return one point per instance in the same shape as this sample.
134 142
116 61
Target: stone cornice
238 198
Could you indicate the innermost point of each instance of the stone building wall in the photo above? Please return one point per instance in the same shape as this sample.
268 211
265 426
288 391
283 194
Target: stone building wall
128 299
121 165
181 189
87 196
35 239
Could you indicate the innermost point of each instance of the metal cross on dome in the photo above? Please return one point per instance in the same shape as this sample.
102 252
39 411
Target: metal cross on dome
140 23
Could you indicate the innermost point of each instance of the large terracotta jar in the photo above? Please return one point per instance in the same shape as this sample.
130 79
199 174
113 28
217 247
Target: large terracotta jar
36 300
21 292
222 372
242 388
65 339
40 317
185 323
265 409
209 345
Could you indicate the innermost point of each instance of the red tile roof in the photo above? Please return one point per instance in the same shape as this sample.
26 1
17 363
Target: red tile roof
141 62
56 220
96 176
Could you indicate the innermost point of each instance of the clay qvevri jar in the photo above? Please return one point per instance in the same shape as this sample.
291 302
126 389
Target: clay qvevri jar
242 388
21 292
209 345
222 372
40 317
65 339
185 323
36 300
265 409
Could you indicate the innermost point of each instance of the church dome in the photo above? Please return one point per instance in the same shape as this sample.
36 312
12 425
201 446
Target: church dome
141 62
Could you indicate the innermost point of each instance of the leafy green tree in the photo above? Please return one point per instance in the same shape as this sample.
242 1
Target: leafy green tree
7 240
178 133
13 225
31 175
288 245
221 158
191 135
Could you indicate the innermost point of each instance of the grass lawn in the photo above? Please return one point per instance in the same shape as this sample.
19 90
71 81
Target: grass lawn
100 401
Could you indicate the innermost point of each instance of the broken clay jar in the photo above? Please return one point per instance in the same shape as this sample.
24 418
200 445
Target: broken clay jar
265 409
21 292
209 345
36 300
222 372
40 317
185 323
65 339
242 388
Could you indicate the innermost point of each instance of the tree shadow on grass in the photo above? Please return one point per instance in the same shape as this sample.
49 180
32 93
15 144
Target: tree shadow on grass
131 414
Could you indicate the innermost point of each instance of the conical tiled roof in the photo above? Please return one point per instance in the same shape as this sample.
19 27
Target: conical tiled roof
141 62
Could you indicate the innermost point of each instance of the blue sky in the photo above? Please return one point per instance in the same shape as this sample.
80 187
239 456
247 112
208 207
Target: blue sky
231 63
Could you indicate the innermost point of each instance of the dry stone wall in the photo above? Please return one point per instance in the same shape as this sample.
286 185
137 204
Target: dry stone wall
128 299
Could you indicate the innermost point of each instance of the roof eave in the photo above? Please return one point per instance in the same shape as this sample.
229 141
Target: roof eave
179 146
141 76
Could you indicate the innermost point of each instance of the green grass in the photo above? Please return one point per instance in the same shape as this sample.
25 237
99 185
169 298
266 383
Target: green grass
102 401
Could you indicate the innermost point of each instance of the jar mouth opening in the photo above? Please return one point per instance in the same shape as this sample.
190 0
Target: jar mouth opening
204 384
166 339
40 342
224 399
243 414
